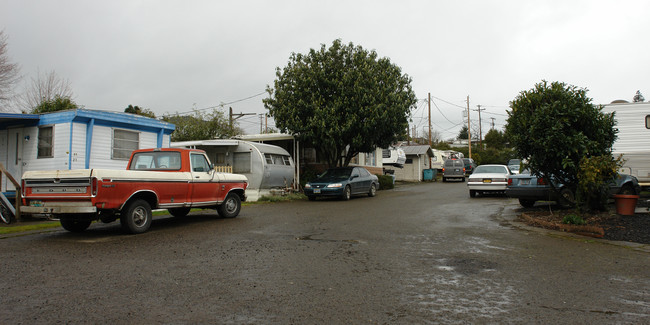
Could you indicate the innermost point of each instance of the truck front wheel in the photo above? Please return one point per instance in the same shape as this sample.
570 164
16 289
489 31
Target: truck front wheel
230 207
136 218
73 225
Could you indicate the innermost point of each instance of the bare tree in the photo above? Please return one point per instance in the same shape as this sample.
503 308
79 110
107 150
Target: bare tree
44 88
9 73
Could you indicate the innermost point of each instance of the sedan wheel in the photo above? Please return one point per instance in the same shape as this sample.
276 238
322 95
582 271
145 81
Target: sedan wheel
567 198
347 193
527 203
373 190
472 193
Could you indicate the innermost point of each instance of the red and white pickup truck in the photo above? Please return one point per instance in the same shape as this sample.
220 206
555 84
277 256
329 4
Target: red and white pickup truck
170 178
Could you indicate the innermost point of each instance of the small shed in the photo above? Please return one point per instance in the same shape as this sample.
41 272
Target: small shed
417 160
75 139
267 167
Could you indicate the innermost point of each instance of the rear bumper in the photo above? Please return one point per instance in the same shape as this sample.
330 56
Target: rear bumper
531 194
500 187
84 207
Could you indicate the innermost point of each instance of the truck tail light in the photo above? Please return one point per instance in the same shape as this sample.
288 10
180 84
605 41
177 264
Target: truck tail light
93 186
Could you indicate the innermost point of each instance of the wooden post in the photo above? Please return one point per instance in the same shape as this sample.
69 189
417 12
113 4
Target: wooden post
16 186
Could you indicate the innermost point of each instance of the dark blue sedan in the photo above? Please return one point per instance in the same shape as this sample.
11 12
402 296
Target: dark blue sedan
530 189
342 182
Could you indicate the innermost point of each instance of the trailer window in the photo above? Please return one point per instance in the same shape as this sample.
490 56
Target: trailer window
124 142
272 159
647 121
241 162
45 143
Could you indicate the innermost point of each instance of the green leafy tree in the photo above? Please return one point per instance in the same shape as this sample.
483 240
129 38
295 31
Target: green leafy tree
495 139
555 126
341 100
462 134
201 126
139 111
52 105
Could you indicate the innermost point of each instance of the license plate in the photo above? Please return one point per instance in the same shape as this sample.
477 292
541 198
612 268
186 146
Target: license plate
525 182
316 190
36 203
487 181
457 169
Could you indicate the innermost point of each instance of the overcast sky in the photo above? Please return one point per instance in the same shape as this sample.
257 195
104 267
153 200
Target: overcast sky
173 56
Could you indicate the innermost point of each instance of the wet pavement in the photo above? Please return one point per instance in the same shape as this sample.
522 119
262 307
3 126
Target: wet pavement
422 253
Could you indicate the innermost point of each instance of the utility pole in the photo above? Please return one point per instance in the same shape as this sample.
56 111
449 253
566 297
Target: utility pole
469 132
231 119
480 132
429 127
492 122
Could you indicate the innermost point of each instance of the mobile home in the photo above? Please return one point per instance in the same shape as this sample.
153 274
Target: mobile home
75 139
633 142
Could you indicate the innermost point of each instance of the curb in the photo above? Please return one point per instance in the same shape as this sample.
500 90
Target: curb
509 215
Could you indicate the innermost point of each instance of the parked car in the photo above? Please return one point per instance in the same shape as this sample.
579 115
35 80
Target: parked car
342 182
530 189
514 165
469 165
488 179
453 168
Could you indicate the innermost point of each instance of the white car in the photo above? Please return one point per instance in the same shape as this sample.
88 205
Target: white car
488 178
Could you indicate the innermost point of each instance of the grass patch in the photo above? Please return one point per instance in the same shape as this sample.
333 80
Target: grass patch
282 198
573 219
37 226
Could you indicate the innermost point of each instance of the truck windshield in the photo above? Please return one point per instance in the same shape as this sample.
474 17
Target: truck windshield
156 160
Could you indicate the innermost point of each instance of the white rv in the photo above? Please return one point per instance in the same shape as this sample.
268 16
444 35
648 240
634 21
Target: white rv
633 142
393 156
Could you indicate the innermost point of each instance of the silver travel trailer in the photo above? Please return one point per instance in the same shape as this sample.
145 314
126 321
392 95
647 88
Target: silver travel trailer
266 166
633 142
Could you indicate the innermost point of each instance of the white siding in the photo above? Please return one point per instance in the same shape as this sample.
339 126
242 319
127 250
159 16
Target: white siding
632 139
148 140
100 154
78 159
60 149
633 135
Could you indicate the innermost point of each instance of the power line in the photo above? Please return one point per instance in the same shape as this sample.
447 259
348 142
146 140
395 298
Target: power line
221 105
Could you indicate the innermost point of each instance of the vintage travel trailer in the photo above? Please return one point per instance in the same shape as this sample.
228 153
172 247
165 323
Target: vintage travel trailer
268 168
633 142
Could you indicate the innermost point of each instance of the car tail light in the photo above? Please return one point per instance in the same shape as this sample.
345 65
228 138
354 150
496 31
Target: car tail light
541 181
509 181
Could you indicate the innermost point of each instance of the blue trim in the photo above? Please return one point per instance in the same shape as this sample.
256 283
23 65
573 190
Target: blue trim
89 140
70 148
160 138
10 120
110 119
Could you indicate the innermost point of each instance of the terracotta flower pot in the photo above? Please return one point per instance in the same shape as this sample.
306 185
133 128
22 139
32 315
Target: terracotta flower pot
625 204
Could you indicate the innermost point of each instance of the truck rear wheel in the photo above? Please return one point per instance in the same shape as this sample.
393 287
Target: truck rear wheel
73 225
136 218
230 207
